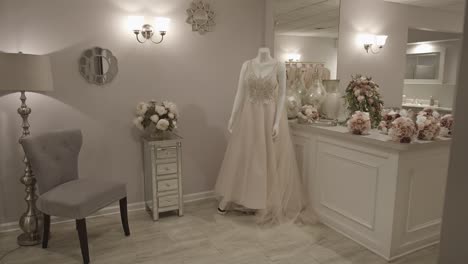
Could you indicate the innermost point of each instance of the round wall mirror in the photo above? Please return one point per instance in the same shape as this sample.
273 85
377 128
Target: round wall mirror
98 66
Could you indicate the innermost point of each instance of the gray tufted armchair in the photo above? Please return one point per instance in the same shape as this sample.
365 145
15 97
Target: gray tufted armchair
54 160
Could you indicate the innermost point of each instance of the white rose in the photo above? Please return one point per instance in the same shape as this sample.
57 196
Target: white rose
360 98
173 108
174 123
137 121
161 110
436 114
162 124
171 115
141 109
154 118
357 92
308 112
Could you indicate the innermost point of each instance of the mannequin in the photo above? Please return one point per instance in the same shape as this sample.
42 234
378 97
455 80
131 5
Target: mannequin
259 170
264 63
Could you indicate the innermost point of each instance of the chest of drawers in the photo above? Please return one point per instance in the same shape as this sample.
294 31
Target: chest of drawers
163 175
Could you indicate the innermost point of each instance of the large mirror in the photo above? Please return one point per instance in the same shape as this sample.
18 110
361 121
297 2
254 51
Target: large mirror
433 54
306 37
98 66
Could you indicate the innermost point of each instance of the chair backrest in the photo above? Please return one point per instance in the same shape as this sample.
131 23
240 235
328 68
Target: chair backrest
53 157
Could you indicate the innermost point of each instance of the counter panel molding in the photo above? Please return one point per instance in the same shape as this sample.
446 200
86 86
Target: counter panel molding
385 196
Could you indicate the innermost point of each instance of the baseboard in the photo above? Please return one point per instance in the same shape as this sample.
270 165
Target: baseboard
113 209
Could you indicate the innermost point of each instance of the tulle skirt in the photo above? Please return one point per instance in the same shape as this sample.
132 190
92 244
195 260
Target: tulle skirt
261 173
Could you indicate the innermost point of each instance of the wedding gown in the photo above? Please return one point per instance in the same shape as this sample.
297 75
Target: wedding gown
259 172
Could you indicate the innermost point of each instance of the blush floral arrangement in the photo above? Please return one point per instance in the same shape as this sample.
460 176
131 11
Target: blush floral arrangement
403 130
156 117
308 114
362 94
427 123
390 115
359 123
446 125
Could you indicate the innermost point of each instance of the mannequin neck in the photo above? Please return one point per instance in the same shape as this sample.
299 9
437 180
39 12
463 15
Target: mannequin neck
263 55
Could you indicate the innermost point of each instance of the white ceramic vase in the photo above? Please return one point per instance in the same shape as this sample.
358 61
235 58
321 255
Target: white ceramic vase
333 100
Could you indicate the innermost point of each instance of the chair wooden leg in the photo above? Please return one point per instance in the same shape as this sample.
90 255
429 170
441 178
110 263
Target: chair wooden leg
83 235
124 215
45 235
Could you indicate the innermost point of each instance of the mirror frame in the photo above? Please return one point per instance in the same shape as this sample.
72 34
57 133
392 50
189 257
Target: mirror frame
440 79
94 78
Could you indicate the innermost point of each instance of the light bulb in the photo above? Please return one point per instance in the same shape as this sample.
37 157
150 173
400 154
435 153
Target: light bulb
161 24
135 22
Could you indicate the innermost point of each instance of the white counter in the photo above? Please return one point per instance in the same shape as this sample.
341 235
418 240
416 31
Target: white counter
386 196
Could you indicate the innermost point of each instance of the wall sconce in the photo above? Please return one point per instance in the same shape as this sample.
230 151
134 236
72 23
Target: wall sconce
293 57
136 23
373 43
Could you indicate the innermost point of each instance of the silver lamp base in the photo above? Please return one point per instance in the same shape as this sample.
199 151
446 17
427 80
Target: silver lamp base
31 221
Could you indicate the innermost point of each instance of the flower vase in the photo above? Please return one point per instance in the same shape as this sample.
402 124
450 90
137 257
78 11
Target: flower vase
316 94
156 134
293 103
333 100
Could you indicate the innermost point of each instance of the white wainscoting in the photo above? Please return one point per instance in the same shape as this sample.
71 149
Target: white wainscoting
386 199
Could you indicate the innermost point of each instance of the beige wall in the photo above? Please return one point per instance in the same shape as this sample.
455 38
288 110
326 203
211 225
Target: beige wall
381 18
199 73
384 18
454 227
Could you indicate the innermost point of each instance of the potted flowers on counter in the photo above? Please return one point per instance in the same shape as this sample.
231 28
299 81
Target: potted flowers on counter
362 94
156 119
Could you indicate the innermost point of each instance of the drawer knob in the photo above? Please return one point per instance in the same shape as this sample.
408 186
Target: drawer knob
167 168
168 185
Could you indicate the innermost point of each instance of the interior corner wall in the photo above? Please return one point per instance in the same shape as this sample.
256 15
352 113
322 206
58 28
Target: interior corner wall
387 67
198 72
454 236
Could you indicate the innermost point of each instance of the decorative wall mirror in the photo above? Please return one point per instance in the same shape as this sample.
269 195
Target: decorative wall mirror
98 66
424 64
201 17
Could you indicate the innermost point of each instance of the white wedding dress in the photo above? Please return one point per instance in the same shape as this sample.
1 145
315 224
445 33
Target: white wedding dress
258 171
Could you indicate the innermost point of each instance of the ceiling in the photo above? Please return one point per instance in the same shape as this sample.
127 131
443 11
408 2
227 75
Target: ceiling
307 17
453 6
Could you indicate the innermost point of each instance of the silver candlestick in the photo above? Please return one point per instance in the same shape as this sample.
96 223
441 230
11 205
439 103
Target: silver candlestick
30 221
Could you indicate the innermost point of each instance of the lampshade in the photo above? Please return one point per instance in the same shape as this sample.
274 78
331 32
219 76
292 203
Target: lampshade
25 72
161 24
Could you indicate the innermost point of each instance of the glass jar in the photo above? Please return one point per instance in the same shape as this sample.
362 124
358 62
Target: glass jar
316 94
293 103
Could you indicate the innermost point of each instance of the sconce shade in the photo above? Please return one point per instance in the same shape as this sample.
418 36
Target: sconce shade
135 22
25 72
366 39
161 24
380 40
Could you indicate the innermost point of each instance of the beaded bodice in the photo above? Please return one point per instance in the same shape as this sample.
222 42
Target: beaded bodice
261 89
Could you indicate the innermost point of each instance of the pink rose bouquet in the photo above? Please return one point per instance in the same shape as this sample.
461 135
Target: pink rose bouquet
359 123
427 123
308 114
446 125
403 130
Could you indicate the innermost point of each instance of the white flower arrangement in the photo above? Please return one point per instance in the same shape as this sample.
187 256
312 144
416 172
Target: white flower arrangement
161 116
403 130
308 114
427 123
359 123
446 125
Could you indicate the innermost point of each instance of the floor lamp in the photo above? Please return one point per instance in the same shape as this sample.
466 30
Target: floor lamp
26 73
